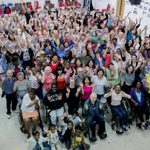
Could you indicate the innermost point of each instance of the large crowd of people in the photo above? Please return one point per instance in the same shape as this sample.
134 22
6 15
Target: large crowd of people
65 63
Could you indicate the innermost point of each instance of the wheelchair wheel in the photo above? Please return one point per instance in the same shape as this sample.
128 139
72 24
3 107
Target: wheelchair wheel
130 116
107 112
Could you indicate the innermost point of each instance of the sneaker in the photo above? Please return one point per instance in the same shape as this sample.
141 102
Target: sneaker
93 139
119 131
125 128
15 111
3 94
103 136
9 116
143 127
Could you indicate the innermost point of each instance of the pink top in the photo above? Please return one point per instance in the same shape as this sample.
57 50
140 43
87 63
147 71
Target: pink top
48 81
87 92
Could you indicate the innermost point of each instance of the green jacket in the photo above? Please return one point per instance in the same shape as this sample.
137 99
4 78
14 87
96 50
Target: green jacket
89 113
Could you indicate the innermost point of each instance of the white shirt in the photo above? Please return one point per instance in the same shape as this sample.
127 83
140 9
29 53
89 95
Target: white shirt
53 137
32 143
100 83
34 82
26 101
117 98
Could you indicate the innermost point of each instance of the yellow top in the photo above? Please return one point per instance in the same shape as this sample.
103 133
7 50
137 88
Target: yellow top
148 81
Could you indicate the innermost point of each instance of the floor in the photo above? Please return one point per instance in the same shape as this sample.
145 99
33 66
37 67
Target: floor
12 139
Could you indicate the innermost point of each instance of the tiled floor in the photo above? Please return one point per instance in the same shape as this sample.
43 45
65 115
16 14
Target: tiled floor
12 139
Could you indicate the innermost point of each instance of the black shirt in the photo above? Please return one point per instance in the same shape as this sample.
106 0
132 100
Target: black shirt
53 103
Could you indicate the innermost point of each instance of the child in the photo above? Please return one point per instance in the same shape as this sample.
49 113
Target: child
54 138
36 141
67 136
78 140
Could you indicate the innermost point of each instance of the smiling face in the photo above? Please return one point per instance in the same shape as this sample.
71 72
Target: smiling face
117 89
93 98
100 73
9 74
20 77
72 82
55 59
130 69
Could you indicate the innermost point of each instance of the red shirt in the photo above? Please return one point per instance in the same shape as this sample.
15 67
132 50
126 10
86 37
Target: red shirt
54 66
60 83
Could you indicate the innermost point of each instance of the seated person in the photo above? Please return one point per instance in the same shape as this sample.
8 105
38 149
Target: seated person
30 108
117 108
93 114
53 137
140 106
36 141
55 104
78 140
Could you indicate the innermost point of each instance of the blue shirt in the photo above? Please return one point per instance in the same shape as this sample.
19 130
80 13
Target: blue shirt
61 53
8 85
138 96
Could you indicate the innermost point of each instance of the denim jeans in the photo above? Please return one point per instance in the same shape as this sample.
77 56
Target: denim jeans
119 111
46 146
67 142
54 114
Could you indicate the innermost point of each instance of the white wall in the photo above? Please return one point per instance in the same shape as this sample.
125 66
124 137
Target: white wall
41 2
101 4
137 12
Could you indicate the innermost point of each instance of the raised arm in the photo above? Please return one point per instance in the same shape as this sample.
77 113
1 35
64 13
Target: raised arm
56 49
108 94
123 94
127 16
70 47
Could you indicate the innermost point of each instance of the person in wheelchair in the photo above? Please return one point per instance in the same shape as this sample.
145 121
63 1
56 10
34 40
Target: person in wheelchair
55 105
30 111
116 97
93 114
138 94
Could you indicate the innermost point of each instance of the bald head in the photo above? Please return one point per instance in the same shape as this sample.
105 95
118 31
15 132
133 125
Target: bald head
93 97
9 73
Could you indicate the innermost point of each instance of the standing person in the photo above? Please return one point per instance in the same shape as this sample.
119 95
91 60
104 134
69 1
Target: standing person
8 85
72 96
128 77
47 79
55 63
79 77
86 89
21 87
100 82
61 82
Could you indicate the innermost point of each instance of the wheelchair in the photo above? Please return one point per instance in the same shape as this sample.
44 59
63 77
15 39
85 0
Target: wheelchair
22 125
113 119
136 118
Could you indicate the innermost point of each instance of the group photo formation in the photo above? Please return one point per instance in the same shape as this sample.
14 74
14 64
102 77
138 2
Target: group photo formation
71 75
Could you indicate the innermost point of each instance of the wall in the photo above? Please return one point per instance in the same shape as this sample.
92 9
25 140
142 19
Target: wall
142 10
41 2
97 4
101 4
